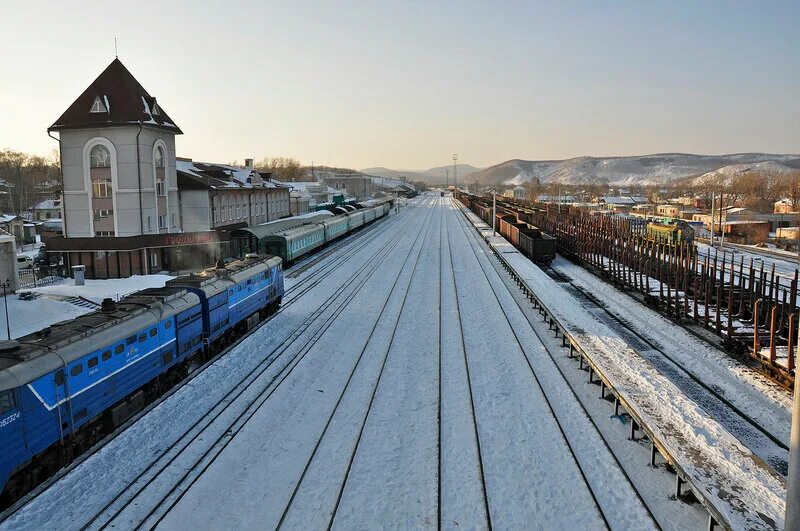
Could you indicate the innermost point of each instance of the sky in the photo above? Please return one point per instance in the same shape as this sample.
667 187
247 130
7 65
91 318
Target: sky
406 84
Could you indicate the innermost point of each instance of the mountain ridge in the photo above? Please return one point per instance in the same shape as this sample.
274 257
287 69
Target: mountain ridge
653 169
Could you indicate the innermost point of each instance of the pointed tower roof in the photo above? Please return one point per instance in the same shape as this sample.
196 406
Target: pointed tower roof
115 98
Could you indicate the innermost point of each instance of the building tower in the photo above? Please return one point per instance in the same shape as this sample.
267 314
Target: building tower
117 160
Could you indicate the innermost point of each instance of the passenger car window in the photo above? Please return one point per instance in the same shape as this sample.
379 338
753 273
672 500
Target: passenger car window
7 402
92 362
76 370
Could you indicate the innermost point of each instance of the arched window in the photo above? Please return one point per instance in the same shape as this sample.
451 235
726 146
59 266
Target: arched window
159 157
100 157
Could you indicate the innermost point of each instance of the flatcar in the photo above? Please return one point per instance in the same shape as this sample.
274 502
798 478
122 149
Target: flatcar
66 386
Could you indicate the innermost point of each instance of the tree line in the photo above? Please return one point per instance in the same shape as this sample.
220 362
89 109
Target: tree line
28 178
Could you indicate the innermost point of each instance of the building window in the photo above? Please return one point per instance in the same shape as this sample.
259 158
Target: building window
149 223
153 260
101 158
101 188
104 233
173 220
159 157
103 213
161 188
162 221
98 106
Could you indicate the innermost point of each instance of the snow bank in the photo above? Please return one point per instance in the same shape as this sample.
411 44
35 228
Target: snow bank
97 290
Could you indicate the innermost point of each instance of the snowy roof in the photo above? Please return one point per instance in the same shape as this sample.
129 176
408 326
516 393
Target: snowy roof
617 200
117 99
218 176
5 218
48 204
303 186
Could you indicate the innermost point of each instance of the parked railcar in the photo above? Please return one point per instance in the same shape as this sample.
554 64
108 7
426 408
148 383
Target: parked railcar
335 227
65 387
540 248
294 243
675 233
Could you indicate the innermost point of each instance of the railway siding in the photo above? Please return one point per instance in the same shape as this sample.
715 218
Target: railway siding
739 490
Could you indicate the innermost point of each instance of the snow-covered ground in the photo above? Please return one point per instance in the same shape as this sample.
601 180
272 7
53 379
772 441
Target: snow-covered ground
97 290
406 390
26 317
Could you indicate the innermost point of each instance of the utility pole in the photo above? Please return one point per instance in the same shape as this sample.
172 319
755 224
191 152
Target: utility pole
793 484
494 211
455 171
446 177
713 195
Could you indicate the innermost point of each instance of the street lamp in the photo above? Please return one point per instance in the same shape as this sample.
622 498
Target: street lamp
6 284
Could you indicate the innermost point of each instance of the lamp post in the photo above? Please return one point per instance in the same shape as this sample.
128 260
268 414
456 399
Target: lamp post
6 284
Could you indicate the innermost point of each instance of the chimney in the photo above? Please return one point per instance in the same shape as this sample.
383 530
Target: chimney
249 164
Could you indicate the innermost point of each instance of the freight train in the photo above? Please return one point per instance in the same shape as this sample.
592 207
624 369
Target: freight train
65 387
514 223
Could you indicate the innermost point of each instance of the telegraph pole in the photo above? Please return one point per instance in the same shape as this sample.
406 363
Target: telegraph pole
793 483
455 170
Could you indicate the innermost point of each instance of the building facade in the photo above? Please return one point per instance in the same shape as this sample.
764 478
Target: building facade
122 210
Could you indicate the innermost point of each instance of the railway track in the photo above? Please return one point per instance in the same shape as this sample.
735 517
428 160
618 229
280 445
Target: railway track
747 429
597 493
252 392
309 282
394 291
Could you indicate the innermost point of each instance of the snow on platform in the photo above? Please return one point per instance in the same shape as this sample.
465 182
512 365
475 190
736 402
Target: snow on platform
397 393
742 490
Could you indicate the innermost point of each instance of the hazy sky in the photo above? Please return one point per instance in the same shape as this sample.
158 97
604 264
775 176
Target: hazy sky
406 84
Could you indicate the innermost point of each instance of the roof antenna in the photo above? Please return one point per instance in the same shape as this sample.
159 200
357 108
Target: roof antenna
116 54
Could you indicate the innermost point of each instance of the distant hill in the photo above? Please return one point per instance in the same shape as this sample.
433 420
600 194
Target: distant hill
656 169
431 176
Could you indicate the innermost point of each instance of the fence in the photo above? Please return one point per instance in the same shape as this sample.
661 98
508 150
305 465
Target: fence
41 276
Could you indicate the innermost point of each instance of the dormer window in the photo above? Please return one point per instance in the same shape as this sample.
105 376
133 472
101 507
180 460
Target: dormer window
156 110
98 106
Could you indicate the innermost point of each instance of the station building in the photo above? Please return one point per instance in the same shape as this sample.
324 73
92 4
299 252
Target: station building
128 206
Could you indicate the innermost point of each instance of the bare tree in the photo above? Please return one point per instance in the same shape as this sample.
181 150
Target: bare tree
282 168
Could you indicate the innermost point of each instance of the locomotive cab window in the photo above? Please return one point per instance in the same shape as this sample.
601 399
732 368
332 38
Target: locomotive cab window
7 402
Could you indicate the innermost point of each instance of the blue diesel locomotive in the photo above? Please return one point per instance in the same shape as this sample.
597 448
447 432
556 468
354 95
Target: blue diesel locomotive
65 387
